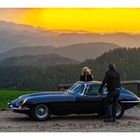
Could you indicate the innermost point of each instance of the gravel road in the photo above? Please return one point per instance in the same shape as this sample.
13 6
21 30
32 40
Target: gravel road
12 122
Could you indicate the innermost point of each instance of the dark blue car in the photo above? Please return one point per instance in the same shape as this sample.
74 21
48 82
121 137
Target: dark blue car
81 98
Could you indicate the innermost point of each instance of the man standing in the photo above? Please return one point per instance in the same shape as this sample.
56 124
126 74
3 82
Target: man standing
112 81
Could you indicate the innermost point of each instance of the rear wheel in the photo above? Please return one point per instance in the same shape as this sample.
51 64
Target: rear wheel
40 112
119 111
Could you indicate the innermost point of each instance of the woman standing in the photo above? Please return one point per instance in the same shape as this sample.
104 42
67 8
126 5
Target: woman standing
86 75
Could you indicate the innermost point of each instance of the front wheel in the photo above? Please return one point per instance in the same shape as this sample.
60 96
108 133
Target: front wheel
119 111
40 112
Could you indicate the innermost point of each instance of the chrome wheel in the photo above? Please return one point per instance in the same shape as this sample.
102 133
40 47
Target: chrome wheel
118 110
41 111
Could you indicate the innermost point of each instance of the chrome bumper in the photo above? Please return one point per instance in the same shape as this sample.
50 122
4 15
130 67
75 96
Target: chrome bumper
130 101
17 109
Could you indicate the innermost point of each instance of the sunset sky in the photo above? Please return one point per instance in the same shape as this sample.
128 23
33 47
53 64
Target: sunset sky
99 20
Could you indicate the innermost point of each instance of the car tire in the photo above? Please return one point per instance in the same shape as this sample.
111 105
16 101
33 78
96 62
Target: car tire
40 112
120 111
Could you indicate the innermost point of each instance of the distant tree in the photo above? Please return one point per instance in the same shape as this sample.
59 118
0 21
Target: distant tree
127 61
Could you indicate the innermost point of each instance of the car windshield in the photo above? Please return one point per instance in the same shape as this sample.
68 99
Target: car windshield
76 89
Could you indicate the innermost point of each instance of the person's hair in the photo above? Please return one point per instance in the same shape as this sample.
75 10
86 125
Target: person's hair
86 69
111 66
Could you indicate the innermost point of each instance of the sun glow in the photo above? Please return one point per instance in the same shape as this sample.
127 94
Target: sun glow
102 20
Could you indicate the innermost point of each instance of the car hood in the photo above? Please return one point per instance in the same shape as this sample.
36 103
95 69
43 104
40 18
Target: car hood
38 96
42 94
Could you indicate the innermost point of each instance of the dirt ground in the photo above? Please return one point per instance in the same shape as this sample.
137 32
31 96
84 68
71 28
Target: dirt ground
12 122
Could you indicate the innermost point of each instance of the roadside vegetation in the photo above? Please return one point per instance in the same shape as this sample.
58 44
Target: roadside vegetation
8 95
138 106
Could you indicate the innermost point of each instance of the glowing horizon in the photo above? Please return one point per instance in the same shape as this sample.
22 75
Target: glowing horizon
95 20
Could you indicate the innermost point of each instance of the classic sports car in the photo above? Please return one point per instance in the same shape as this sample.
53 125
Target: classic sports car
81 98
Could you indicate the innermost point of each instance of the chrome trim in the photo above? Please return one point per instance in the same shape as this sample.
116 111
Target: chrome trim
130 101
83 93
15 108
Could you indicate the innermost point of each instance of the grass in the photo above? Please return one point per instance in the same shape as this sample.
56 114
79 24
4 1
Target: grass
138 106
7 96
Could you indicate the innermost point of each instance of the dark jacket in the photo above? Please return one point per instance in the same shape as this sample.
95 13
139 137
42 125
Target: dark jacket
86 78
112 80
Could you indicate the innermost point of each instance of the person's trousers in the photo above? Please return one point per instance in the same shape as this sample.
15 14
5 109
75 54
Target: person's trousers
111 103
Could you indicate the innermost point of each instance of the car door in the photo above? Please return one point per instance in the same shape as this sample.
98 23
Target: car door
69 106
90 102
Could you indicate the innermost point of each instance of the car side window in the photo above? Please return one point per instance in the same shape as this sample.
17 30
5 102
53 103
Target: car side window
92 89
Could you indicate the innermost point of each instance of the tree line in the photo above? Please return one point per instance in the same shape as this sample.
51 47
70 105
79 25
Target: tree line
127 61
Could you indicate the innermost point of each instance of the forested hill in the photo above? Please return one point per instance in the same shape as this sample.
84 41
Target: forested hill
47 78
127 61
37 61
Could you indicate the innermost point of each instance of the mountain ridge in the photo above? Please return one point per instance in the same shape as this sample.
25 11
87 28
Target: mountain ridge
79 52
18 35
37 61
